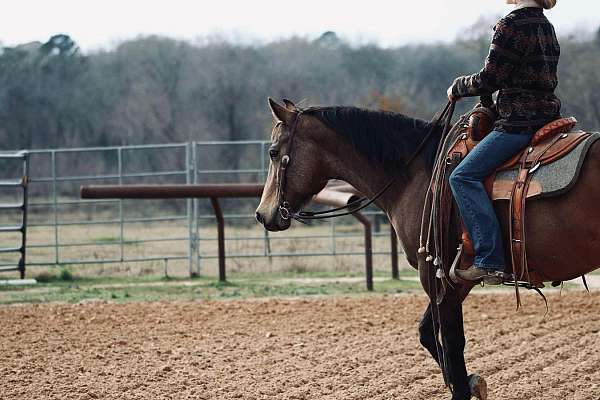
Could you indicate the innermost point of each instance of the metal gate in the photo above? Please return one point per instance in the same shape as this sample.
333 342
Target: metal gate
19 205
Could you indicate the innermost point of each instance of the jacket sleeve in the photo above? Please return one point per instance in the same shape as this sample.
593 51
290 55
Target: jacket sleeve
499 64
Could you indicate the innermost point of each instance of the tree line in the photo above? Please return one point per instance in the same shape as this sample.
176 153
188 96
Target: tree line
158 90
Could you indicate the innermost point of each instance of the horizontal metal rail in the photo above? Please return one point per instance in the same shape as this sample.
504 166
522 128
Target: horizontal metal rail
21 155
300 254
11 249
72 202
108 261
18 228
14 206
209 257
171 191
112 221
109 148
105 177
112 242
231 143
7 265
10 268
11 183
230 171
206 239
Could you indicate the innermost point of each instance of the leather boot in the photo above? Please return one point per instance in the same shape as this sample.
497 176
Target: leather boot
474 273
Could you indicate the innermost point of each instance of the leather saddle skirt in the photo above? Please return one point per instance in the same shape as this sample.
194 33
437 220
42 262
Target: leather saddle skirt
557 172
558 151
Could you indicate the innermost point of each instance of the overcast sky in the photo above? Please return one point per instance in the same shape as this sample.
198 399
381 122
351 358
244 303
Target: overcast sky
101 24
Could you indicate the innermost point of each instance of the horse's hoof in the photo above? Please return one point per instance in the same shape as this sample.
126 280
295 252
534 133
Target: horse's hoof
478 387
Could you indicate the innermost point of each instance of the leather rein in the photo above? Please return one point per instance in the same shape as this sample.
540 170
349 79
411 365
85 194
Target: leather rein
303 216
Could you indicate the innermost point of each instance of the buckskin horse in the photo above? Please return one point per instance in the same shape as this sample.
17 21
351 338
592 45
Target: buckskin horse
369 148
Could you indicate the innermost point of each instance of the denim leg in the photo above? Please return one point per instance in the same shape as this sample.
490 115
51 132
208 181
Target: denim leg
473 202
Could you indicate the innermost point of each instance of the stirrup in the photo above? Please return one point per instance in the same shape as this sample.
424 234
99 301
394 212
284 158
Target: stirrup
503 277
455 263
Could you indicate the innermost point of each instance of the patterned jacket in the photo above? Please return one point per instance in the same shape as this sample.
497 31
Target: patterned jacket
522 64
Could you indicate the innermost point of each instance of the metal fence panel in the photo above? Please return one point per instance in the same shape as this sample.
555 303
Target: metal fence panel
65 230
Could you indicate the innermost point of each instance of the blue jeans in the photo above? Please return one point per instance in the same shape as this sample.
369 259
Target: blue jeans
473 202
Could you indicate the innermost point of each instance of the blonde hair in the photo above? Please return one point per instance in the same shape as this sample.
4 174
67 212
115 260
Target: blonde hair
547 4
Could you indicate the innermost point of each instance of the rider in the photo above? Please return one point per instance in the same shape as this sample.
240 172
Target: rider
522 66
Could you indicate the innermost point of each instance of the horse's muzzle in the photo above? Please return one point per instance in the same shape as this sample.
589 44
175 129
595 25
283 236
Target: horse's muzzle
273 222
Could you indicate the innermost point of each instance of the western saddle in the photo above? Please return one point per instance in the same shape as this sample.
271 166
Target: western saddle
549 144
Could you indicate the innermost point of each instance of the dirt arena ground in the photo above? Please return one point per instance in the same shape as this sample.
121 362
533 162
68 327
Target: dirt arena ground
323 348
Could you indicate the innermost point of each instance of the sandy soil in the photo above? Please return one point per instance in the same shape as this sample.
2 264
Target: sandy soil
326 348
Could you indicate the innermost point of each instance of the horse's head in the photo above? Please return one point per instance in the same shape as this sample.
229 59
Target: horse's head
297 166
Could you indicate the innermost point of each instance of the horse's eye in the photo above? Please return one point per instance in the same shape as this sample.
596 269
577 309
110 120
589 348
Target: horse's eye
273 153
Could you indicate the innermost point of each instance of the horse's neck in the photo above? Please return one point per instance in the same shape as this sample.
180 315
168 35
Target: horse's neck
402 202
407 211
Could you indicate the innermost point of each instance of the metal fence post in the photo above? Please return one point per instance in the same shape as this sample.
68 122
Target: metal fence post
333 238
25 181
368 240
55 206
221 237
196 236
190 212
121 228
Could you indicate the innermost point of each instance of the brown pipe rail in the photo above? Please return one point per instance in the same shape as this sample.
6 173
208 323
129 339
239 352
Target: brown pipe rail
207 191
334 195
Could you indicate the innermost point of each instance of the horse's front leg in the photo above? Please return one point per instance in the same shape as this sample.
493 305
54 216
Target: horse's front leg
446 320
452 349
428 334
453 342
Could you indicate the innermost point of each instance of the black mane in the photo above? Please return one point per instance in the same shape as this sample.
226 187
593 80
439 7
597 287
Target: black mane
387 138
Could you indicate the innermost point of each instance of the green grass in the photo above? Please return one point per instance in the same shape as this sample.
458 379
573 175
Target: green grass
320 274
64 286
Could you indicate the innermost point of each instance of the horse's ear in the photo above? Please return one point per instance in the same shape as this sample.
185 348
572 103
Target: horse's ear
289 105
280 113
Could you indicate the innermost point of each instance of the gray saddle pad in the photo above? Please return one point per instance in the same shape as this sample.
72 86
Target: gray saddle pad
555 178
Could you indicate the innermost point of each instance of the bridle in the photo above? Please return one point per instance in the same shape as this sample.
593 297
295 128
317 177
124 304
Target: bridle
284 206
302 216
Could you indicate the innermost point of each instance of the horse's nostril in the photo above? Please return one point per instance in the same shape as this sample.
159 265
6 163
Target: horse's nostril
260 218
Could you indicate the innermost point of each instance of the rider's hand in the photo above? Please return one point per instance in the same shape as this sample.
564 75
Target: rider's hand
452 97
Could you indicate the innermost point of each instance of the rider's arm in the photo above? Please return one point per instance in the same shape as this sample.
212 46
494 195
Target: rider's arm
506 53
